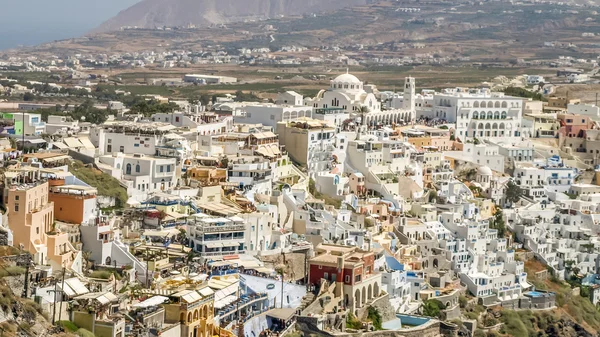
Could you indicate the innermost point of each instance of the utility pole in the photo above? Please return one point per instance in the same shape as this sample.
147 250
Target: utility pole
61 289
115 279
282 273
147 267
54 306
25 293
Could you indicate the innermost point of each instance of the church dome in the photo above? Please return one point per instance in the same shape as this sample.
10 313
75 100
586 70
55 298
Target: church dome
347 78
484 171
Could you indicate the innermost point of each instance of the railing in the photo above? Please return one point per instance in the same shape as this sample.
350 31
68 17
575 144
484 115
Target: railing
214 229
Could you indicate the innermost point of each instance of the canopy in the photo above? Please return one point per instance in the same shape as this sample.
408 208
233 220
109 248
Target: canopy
151 302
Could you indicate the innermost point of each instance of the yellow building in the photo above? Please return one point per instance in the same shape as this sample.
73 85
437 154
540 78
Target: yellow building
31 219
194 309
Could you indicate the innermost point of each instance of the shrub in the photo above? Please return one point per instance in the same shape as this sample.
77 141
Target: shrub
375 317
68 326
433 308
11 271
84 333
352 322
463 301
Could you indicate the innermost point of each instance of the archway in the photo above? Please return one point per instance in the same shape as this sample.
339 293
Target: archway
370 292
376 292
357 298
364 296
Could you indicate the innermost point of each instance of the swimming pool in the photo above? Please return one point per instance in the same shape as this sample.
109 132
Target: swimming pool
405 321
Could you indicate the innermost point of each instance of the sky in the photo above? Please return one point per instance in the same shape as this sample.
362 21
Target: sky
31 22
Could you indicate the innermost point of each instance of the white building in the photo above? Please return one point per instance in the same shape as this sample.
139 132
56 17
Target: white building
143 174
350 95
478 113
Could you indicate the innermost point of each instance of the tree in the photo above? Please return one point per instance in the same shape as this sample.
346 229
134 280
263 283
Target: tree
374 316
497 222
28 97
513 192
433 308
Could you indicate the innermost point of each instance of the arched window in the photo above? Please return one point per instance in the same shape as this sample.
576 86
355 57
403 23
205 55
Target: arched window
504 105
476 104
490 115
118 166
137 168
475 114
503 115
128 169
482 104
496 115
497 105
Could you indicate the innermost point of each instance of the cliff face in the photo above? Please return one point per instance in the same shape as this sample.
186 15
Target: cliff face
158 13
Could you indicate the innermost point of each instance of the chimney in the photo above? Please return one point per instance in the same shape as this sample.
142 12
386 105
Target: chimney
339 287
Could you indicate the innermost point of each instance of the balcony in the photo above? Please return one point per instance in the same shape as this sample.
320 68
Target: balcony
215 229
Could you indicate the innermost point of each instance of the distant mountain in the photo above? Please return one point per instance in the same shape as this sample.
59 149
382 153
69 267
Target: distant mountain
158 13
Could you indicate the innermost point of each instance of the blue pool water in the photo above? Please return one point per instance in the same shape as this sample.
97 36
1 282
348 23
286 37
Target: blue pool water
404 320
533 294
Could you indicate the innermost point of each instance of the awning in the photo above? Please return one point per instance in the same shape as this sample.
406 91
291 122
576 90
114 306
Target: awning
222 303
230 243
151 302
206 291
213 244
282 313
265 270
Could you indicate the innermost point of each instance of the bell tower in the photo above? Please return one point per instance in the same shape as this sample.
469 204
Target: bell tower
408 102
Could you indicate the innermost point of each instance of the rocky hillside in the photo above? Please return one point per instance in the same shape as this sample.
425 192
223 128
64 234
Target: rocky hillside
158 13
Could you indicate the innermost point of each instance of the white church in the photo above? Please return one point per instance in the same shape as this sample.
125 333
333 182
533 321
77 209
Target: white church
350 97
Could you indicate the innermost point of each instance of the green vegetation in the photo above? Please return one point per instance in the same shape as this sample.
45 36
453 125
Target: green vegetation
86 111
11 271
513 192
352 322
474 311
31 309
375 317
433 308
68 326
84 333
520 92
497 222
463 301
148 108
6 298
106 185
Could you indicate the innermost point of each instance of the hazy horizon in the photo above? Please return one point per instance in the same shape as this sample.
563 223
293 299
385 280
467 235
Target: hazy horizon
31 22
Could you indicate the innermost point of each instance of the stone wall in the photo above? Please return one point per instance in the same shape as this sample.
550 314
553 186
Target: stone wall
383 305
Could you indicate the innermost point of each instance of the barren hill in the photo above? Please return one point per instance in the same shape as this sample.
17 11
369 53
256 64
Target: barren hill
158 13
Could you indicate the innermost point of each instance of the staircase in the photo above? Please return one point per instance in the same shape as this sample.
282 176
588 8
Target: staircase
123 251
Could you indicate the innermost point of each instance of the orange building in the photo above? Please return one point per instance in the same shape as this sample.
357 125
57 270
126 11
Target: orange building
73 203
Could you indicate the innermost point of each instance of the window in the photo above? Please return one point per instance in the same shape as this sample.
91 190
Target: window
320 267
109 141
161 168
168 168
109 148
121 148
177 119
16 207
137 168
17 197
326 275
347 279
128 169
357 278
272 117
